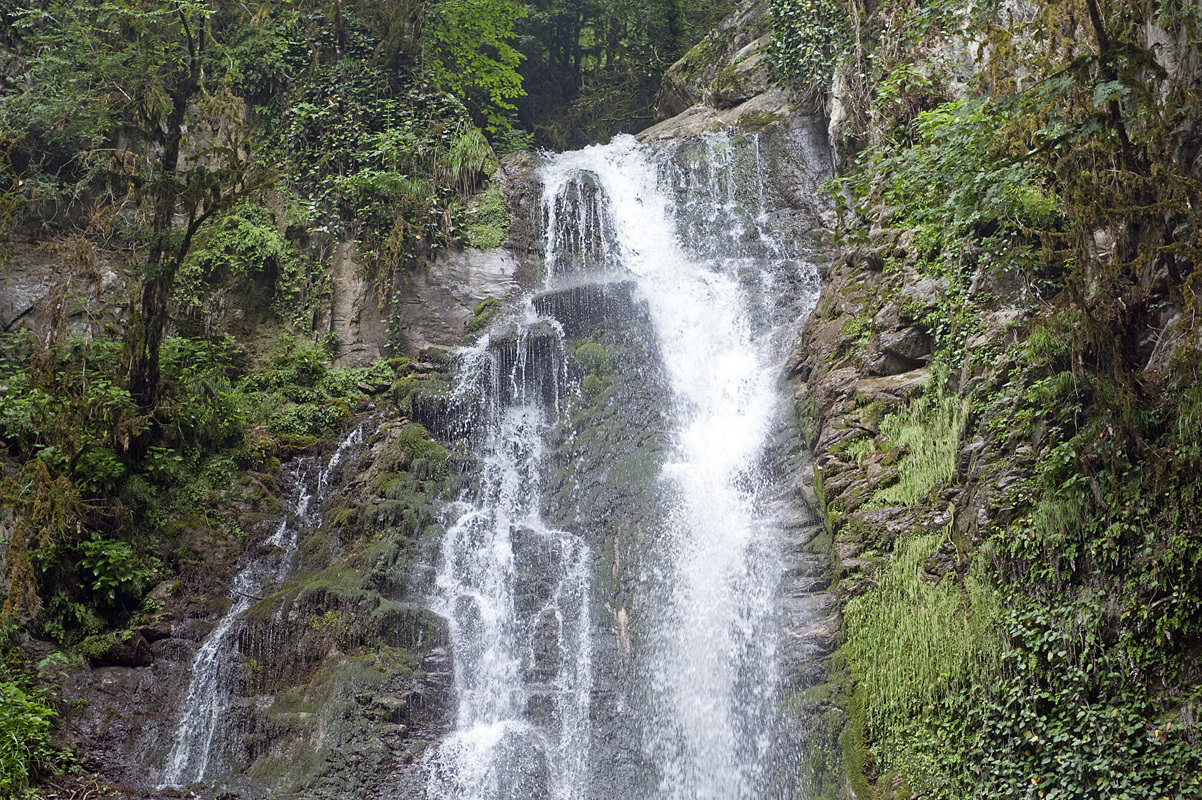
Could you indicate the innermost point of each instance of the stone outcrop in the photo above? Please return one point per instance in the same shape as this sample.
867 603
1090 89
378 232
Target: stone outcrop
722 82
339 679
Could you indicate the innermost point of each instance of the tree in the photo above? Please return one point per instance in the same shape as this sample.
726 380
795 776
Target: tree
467 52
120 86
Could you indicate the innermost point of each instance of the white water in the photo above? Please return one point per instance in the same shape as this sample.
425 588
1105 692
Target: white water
689 226
500 622
690 232
208 694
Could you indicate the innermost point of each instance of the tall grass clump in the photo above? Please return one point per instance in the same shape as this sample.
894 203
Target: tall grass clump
914 641
929 429
25 722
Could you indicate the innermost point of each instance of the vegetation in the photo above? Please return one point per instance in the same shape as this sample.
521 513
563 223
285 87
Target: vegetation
926 433
1058 199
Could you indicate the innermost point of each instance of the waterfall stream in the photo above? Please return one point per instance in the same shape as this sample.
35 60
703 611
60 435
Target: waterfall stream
197 735
667 685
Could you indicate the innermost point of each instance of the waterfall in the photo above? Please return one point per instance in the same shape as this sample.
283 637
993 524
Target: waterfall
208 696
667 685
516 594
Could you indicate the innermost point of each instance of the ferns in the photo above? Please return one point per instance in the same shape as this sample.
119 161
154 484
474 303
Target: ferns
913 641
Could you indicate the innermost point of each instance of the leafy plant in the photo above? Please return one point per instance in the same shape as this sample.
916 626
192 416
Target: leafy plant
25 746
808 39
112 568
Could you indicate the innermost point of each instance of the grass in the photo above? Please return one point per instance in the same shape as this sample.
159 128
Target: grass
912 641
929 430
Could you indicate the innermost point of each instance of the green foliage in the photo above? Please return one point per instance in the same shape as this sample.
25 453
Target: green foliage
484 313
25 744
808 39
424 458
1066 720
1065 171
593 69
112 568
27 713
467 51
393 160
956 176
246 241
928 430
593 357
915 640
297 394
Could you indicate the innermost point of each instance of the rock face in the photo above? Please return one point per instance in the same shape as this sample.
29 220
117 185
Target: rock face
354 320
70 291
724 69
722 82
335 681
435 304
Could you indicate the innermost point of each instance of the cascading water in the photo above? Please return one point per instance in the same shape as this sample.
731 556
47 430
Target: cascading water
516 594
690 232
207 700
682 233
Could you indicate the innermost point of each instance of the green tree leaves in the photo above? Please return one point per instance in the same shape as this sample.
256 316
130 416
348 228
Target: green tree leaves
468 51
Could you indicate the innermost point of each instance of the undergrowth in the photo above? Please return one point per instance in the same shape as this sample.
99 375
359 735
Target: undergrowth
928 432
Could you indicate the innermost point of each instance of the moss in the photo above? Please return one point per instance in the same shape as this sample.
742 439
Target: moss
857 757
95 647
592 387
728 81
593 357
695 62
488 225
427 459
753 121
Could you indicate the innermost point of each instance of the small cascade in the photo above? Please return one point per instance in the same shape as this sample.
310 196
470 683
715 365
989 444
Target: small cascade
197 736
516 593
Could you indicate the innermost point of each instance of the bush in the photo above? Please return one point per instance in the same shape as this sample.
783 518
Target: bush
24 737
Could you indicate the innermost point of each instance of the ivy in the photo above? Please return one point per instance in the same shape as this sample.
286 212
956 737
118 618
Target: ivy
808 39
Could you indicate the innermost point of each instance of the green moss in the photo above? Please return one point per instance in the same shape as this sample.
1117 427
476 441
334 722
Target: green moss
915 644
857 757
726 82
488 226
593 357
753 121
699 59
94 647
485 311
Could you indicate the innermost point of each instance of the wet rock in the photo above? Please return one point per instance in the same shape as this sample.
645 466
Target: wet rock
893 389
131 651
909 344
581 310
353 318
534 356
746 77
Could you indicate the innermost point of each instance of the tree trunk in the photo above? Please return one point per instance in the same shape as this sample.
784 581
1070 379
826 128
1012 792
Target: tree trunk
149 321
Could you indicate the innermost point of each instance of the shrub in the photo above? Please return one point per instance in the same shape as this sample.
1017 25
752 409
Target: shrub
25 722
